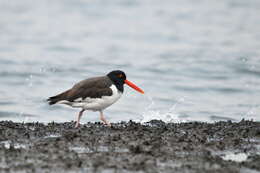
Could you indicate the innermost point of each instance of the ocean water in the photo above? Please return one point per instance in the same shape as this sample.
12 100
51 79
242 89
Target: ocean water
195 60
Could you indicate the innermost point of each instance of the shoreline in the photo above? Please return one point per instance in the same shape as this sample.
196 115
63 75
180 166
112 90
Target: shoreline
130 147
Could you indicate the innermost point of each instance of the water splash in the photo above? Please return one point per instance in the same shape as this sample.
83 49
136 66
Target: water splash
167 116
252 113
46 69
29 80
29 83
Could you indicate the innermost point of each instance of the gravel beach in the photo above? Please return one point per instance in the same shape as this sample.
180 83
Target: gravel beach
130 147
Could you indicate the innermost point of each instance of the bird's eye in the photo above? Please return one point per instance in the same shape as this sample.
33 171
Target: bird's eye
120 75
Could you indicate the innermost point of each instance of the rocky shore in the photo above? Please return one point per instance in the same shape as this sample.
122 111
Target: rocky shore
224 147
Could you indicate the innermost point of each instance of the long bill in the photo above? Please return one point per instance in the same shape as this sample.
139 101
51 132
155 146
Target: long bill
132 85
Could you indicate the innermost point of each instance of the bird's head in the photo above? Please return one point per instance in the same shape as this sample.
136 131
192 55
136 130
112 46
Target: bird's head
119 78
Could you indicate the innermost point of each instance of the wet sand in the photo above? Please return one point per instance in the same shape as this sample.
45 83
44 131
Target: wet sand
130 147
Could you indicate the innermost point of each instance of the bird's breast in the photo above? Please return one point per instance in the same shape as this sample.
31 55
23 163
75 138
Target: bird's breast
97 104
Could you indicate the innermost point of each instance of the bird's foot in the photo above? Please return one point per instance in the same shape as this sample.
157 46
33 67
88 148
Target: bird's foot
102 118
108 124
77 125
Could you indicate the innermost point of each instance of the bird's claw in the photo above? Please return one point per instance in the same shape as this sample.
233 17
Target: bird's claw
77 125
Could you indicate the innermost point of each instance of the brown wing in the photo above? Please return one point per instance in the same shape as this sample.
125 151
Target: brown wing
92 87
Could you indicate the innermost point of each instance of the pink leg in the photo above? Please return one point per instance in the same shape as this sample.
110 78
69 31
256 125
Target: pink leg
102 118
79 116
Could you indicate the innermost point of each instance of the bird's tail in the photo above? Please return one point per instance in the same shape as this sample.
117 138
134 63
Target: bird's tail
54 99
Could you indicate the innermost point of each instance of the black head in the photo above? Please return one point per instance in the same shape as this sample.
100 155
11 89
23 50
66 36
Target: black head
118 77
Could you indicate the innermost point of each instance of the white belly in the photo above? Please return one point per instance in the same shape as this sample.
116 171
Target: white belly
97 104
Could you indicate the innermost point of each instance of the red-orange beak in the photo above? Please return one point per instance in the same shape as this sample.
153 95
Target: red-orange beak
134 86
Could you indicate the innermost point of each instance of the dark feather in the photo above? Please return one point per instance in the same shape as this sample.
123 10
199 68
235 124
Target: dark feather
92 87
54 99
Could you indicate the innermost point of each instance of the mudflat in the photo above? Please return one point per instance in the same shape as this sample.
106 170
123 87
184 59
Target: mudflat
225 147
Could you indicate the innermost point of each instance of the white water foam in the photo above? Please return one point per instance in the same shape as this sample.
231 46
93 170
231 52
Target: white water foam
236 157
7 145
168 116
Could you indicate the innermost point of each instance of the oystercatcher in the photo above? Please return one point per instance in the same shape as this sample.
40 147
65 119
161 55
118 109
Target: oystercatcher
95 93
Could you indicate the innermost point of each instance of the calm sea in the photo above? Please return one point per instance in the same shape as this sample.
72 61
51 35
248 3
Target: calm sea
196 60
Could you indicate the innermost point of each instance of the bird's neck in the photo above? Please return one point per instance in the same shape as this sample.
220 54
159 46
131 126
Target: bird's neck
119 86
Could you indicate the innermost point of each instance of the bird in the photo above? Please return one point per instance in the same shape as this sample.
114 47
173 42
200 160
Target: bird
95 94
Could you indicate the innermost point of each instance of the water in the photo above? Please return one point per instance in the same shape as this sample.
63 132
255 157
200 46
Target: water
196 60
236 157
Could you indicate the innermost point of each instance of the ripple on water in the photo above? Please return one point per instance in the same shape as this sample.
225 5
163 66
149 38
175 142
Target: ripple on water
221 118
63 49
5 114
19 74
250 72
6 102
